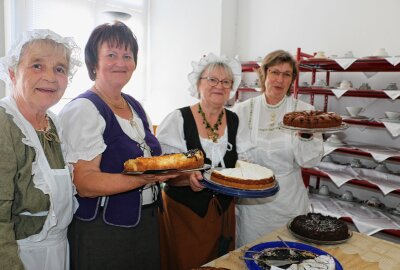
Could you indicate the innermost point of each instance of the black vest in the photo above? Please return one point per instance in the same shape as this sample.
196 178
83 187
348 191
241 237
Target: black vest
198 201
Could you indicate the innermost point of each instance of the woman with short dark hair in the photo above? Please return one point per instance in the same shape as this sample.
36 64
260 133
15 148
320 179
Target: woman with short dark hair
116 225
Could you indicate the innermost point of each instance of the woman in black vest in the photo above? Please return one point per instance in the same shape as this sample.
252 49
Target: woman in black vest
197 224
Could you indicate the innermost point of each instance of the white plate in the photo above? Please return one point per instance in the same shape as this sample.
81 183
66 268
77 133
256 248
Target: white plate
389 120
343 126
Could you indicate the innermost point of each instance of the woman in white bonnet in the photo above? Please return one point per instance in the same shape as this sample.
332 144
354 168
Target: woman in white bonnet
197 224
36 192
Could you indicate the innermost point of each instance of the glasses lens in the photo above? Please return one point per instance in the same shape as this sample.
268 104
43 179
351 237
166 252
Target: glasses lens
212 81
276 73
226 84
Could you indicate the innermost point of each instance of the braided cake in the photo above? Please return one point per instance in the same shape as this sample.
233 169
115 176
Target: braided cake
312 119
192 159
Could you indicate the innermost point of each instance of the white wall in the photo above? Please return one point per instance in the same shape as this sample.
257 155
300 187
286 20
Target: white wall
181 31
334 26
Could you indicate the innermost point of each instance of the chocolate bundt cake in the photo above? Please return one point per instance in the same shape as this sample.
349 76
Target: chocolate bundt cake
312 119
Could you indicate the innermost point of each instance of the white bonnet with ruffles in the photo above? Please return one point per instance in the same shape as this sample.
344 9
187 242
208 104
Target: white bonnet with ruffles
11 60
198 68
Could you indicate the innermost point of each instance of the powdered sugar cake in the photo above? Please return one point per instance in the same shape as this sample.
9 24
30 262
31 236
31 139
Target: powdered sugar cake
245 175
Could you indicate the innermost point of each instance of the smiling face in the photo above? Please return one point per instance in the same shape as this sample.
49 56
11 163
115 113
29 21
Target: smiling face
216 95
277 82
41 76
115 65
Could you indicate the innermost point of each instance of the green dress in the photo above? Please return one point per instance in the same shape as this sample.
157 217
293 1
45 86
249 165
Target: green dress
17 190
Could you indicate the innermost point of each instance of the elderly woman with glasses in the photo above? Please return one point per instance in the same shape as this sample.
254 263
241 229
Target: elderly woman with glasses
197 224
262 142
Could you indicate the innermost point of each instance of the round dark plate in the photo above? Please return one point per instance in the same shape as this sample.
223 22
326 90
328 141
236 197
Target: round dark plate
252 265
242 193
315 241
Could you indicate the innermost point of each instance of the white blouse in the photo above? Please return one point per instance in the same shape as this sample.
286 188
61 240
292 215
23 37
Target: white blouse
83 129
171 136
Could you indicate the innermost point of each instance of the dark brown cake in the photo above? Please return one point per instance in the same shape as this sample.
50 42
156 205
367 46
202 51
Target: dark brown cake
312 119
319 227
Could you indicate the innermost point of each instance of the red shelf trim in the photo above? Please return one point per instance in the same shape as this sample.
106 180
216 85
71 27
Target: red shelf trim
250 66
349 93
356 182
360 65
363 123
362 153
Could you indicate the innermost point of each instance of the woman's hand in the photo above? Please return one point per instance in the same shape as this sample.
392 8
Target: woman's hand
194 179
307 136
152 178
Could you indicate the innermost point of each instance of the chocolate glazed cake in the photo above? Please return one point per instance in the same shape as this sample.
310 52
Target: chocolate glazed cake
319 227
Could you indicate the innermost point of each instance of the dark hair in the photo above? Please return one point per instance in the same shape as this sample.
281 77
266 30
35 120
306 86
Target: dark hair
115 34
275 58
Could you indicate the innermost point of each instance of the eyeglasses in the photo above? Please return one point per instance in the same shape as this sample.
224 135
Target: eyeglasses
275 74
227 84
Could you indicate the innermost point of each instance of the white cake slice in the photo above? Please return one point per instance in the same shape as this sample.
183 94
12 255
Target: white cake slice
245 176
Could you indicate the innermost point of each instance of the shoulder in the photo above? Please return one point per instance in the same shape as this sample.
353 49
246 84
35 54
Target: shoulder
5 119
231 114
80 112
243 109
9 130
172 117
79 106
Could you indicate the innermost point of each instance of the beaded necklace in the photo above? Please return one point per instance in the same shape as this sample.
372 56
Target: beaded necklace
213 134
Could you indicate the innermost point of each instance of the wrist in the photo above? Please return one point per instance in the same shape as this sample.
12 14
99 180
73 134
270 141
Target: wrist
306 136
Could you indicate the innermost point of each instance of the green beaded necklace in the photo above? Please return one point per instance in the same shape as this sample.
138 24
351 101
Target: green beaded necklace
213 134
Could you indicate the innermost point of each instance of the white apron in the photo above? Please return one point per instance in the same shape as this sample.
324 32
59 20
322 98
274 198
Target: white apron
47 250
258 216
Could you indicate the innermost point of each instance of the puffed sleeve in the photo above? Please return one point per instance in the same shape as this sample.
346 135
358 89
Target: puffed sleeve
307 152
83 129
170 133
8 166
244 145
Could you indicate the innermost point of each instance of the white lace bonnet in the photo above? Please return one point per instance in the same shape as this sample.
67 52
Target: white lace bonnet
198 68
11 60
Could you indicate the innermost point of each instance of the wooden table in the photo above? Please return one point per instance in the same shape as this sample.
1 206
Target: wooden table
361 252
